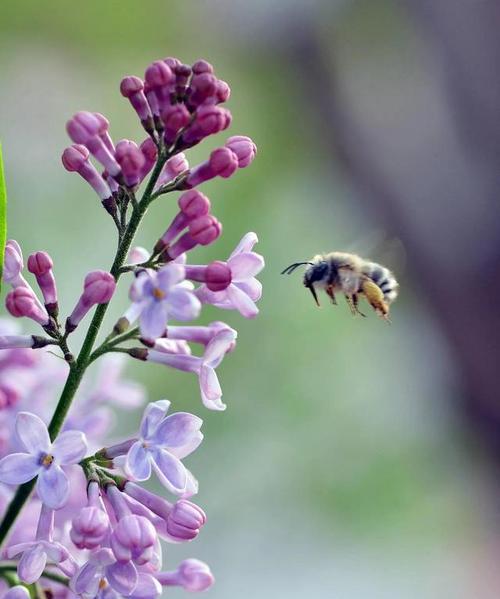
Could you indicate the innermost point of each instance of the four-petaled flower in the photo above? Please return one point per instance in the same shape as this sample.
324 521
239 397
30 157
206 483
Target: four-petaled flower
244 289
158 296
163 442
43 459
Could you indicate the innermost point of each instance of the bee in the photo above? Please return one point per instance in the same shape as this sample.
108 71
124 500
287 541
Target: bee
341 272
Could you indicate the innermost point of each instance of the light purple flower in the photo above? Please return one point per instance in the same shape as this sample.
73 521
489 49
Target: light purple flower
13 265
158 296
244 289
204 367
43 459
36 554
18 592
163 442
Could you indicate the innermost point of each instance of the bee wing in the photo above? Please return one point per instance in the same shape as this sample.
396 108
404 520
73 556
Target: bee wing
378 247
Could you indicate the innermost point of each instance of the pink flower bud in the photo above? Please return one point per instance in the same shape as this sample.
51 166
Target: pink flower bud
131 161
223 162
159 77
150 153
182 74
243 147
138 255
76 159
132 88
104 131
173 168
89 528
40 264
202 66
13 264
185 520
209 120
218 276
133 539
203 87
99 287
171 62
22 301
85 128
192 574
205 229
192 204
174 118
222 92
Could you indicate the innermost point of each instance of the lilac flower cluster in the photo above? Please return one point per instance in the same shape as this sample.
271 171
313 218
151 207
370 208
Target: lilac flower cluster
81 523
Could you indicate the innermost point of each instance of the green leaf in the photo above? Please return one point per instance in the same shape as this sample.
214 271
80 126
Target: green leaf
3 215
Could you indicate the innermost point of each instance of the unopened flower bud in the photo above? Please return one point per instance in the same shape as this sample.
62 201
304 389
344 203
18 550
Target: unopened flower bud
99 287
202 66
182 74
185 520
210 119
89 527
104 131
192 575
85 128
205 229
40 264
222 91
217 275
150 153
22 301
244 149
138 255
131 161
172 62
133 539
159 79
132 88
223 162
202 88
76 159
174 118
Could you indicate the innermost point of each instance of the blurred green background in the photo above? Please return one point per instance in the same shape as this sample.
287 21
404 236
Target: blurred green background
339 468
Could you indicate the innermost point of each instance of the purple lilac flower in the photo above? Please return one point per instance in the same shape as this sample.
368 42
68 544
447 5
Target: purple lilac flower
13 265
163 442
91 525
203 230
244 289
43 459
158 296
132 88
204 367
131 160
36 554
22 302
17 592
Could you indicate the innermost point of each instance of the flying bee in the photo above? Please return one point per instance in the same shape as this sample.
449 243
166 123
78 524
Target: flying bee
341 272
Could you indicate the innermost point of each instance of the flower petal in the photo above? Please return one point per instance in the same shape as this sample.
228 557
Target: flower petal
191 486
178 431
32 433
211 391
153 319
218 346
147 587
32 564
86 581
245 265
246 244
242 302
52 486
153 414
252 287
180 361
183 305
18 468
170 275
170 471
69 447
122 576
137 462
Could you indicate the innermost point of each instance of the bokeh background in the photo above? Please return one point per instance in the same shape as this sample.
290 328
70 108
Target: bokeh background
355 459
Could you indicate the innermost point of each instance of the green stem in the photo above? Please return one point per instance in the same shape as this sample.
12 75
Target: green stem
78 367
7 568
109 345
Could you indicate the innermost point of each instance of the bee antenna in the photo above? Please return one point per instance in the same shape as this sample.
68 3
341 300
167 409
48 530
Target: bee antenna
289 269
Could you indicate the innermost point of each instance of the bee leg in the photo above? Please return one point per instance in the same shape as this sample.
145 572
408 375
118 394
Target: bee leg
350 303
355 301
375 297
331 294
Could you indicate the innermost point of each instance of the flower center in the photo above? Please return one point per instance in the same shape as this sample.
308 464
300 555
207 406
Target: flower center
158 293
47 460
102 584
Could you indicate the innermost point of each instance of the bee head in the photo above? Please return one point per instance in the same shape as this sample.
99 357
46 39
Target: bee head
316 272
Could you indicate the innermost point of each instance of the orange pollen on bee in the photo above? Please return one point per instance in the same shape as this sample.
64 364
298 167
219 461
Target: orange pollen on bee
158 293
47 460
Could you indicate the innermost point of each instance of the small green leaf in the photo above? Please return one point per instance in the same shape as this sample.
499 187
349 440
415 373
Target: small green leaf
3 215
